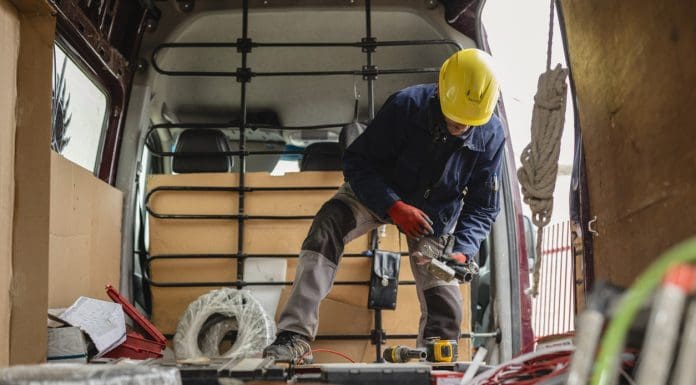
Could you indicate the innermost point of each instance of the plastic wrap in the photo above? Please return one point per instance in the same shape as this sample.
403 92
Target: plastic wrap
84 374
210 338
230 309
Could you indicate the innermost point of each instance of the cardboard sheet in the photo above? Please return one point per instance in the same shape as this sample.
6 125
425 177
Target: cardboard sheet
28 336
85 234
9 40
634 67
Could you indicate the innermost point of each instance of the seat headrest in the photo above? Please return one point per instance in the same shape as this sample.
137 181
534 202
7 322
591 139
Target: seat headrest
202 140
348 134
321 156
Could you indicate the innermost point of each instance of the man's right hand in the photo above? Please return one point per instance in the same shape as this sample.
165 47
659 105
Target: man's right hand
412 221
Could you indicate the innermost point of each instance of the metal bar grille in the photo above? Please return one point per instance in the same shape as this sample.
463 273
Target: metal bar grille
244 74
553 312
265 283
368 45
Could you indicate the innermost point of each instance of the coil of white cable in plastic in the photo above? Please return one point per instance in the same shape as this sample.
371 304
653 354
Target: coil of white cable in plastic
208 319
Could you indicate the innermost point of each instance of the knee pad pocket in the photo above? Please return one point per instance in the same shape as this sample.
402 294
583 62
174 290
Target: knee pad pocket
332 223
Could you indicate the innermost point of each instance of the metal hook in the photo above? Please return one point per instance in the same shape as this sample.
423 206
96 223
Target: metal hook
589 226
356 95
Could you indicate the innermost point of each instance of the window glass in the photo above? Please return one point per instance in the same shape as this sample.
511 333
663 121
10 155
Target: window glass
79 112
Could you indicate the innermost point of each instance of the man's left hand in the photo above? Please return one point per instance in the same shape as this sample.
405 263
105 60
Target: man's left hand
465 268
459 258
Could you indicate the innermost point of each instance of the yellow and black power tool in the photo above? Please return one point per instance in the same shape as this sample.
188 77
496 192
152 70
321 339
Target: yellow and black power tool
438 350
403 354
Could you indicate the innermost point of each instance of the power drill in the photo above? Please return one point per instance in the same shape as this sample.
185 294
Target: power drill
441 350
437 250
403 354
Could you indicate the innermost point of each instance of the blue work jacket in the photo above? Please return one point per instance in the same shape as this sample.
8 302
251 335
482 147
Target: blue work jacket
406 153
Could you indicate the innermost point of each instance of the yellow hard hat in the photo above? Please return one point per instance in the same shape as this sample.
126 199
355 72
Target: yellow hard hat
468 88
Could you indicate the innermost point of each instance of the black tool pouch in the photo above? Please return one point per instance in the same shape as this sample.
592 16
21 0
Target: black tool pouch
384 280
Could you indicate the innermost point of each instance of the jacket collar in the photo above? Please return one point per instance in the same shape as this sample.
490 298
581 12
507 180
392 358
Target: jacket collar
473 139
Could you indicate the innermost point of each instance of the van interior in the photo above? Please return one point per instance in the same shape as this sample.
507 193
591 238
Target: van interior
192 142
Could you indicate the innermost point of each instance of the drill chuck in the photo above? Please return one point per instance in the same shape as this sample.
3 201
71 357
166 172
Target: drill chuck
403 354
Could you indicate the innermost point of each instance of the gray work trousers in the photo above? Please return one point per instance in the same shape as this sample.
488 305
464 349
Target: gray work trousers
340 220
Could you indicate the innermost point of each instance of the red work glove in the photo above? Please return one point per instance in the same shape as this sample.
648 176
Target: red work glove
465 269
412 221
459 257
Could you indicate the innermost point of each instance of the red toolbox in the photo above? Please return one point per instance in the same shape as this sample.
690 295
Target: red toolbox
136 346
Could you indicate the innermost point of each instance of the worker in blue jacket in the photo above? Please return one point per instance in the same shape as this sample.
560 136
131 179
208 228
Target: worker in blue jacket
429 163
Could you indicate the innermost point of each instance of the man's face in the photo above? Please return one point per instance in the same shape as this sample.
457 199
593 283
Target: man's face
455 128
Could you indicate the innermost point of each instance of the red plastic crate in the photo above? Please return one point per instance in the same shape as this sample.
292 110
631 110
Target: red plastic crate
137 346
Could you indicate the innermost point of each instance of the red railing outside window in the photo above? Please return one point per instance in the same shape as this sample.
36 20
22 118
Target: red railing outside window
554 307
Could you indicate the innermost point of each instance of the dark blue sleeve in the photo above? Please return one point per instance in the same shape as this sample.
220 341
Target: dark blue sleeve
378 145
481 203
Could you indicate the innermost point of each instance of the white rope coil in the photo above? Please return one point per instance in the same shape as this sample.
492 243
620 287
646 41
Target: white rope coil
539 159
236 310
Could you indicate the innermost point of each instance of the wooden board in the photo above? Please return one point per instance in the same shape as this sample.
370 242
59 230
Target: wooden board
28 336
634 67
344 311
220 236
85 234
9 40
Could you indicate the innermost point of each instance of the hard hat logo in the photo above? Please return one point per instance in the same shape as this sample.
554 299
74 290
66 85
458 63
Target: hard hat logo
468 87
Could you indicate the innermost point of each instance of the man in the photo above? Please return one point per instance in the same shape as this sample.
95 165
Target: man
429 163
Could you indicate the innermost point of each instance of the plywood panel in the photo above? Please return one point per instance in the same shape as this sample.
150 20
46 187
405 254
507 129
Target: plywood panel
85 234
9 40
170 304
344 311
32 184
634 67
220 236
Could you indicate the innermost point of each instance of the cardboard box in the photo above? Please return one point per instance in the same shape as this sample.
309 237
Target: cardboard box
66 344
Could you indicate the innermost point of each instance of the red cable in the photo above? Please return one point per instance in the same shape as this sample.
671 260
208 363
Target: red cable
532 371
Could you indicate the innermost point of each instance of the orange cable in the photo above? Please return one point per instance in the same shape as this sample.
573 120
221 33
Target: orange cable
347 357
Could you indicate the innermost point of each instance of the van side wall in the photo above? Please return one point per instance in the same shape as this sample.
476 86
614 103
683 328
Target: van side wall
634 69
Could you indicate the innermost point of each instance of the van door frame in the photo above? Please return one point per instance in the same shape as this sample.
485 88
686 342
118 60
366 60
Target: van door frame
581 236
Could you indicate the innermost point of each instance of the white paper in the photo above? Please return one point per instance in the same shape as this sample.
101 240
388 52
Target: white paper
103 321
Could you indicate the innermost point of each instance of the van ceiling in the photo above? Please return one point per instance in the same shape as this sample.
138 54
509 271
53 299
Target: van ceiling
297 100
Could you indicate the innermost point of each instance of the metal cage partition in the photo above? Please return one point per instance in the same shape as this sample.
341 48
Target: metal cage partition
243 75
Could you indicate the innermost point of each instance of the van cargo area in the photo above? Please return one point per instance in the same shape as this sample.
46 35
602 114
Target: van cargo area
181 181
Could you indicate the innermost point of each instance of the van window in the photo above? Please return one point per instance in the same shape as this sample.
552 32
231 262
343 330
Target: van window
79 112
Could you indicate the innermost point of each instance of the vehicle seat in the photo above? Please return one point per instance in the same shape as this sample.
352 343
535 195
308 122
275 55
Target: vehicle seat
348 134
202 140
326 156
321 156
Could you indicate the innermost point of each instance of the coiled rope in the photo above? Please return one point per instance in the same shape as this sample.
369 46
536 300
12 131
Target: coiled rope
539 159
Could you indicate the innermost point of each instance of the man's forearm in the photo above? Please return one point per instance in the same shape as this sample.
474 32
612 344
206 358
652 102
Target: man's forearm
472 228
